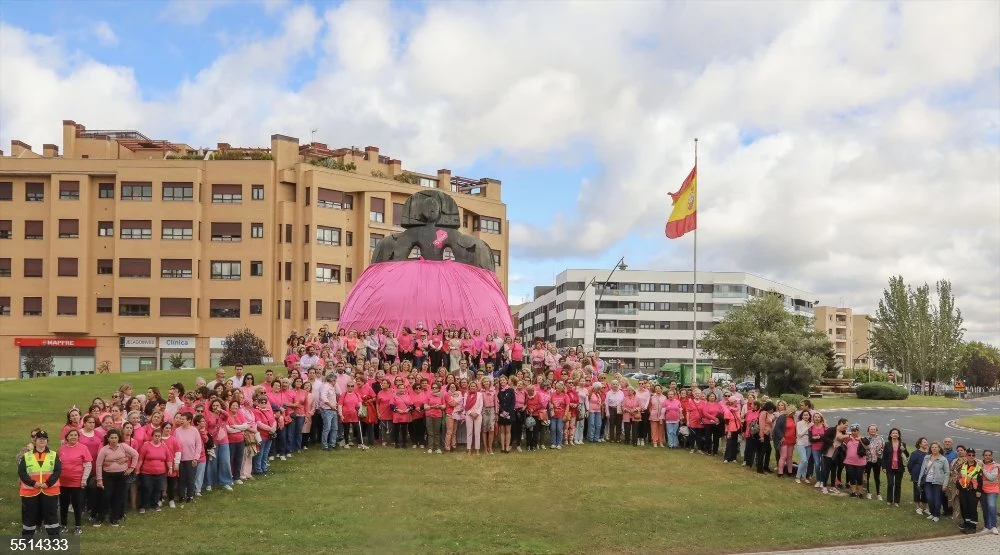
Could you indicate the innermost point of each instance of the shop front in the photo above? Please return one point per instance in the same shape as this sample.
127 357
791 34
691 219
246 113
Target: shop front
138 353
71 356
216 345
177 353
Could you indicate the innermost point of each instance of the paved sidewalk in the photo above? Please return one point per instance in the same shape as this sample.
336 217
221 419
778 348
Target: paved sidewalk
973 543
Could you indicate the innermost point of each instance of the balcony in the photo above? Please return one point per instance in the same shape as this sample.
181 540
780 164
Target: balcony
841 337
616 292
609 329
626 310
619 349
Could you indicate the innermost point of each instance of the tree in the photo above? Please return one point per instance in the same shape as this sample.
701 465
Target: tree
243 347
764 340
177 361
979 364
916 336
38 362
831 370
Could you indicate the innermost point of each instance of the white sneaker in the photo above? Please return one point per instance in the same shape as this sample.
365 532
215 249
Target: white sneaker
869 496
995 531
880 498
239 482
227 488
438 451
797 481
282 457
818 485
430 451
172 504
288 455
930 517
920 511
348 446
553 446
935 519
304 448
823 490
558 447
271 458
208 488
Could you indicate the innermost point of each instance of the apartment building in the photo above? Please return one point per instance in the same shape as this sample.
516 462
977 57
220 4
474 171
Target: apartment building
126 253
643 319
850 334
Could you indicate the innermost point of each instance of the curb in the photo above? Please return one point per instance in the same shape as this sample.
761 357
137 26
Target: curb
853 409
862 548
953 424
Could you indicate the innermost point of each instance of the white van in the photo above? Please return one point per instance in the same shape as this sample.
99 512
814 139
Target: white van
721 377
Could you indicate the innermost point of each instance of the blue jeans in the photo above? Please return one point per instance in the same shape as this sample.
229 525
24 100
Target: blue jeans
330 423
672 428
295 435
933 494
558 424
199 476
259 465
236 458
219 470
804 453
593 426
989 501
817 459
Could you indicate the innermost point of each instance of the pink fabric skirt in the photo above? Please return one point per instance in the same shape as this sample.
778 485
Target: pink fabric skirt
404 293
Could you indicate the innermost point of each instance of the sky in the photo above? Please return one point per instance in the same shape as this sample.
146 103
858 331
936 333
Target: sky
840 143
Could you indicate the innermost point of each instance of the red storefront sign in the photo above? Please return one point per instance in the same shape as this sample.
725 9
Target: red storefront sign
55 342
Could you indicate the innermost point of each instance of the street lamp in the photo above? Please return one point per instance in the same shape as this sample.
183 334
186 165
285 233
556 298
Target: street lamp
572 330
620 265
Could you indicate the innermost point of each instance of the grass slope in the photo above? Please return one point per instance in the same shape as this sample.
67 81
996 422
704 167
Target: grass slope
911 401
988 423
594 499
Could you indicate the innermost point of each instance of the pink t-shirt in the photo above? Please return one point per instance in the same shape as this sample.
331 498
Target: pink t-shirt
73 459
153 459
94 442
349 403
852 458
432 399
559 402
672 410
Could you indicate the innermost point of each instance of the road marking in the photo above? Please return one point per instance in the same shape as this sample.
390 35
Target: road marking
953 424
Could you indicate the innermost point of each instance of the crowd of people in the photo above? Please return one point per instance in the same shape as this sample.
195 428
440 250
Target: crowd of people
436 390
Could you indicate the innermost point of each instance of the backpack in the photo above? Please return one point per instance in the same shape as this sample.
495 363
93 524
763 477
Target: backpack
862 451
754 429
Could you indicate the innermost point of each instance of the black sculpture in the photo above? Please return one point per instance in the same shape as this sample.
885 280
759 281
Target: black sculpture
431 219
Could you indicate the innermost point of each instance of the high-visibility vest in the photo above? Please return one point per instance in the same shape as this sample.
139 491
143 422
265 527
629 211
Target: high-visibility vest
969 476
40 472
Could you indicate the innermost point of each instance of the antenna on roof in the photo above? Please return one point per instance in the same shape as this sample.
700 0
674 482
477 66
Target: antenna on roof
312 134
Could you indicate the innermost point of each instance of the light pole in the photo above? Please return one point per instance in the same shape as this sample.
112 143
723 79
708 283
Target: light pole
620 265
572 330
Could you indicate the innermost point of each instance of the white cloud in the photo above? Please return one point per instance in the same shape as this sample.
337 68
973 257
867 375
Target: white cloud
105 34
877 151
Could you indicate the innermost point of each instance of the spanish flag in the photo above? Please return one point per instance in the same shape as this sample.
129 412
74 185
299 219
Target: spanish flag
684 217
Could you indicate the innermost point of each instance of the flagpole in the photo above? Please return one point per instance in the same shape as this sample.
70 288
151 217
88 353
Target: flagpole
694 293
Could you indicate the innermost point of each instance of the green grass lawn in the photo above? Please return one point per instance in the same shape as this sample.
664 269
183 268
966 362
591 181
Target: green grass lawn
988 423
911 401
594 498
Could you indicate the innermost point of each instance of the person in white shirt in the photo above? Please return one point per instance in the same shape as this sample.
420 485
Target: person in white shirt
309 360
613 403
327 405
220 377
237 380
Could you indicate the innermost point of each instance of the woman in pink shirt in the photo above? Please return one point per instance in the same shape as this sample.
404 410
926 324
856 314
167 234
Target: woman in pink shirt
656 412
516 356
672 412
711 419
572 413
236 424
115 463
517 424
92 438
73 422
154 462
489 420
595 407
348 404
855 460
631 416
535 408
473 418
434 407
77 464
382 401
455 413
505 412
401 407
558 402
695 421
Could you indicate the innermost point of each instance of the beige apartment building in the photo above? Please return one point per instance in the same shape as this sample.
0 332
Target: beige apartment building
125 253
849 334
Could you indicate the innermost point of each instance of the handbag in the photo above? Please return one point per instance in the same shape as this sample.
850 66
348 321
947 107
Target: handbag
581 412
363 412
529 422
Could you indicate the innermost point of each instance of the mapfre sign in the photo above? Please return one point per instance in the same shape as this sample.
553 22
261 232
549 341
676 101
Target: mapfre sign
55 342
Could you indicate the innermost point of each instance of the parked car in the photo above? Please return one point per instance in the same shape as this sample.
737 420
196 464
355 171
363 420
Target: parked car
744 387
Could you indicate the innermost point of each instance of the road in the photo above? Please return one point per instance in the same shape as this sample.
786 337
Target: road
929 423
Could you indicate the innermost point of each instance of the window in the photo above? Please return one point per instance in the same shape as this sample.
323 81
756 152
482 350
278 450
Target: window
682 288
496 258
32 306
349 275
68 267
327 273
34 229
326 310
647 287
104 305
182 192
106 190
486 225
305 272
105 266
133 306
337 200
663 306
134 267
377 213
288 233
647 306
65 306
664 325
69 229
288 271
288 310
227 194
32 267
136 229
373 240
349 239
69 190
4 306
6 193
256 306
176 230
327 236
225 270
647 325
4 267
105 229
257 193
6 229
34 192
227 231
397 214
257 231
428 182
175 268
134 190
175 306
256 268
305 310
306 236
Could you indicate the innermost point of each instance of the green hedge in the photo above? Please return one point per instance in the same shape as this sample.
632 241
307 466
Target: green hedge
791 399
882 391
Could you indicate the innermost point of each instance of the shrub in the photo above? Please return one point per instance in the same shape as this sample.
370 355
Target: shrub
951 394
243 347
882 391
791 399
